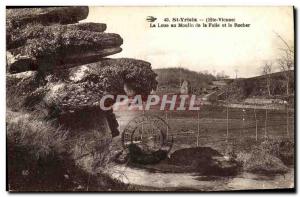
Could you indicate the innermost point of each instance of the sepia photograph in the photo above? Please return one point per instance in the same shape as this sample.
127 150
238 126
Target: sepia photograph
150 99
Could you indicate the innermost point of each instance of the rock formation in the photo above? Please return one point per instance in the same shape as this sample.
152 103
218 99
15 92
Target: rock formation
18 17
37 47
56 67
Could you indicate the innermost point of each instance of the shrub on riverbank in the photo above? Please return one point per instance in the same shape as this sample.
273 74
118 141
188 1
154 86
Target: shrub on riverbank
39 159
268 157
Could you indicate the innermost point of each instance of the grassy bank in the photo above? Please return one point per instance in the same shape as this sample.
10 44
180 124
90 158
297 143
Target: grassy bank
40 158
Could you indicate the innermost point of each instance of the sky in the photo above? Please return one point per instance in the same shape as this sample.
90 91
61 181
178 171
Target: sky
213 50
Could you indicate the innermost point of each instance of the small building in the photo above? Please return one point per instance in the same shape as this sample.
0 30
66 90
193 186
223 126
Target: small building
185 87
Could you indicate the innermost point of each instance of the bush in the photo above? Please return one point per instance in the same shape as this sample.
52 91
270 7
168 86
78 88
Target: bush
281 148
261 163
268 157
25 131
36 153
39 159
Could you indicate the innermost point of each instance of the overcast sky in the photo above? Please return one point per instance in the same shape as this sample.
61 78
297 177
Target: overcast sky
200 49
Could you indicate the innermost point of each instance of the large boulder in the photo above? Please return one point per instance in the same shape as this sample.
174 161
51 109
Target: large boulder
138 156
56 48
85 85
24 90
47 39
80 86
77 90
18 37
18 17
56 67
205 161
27 91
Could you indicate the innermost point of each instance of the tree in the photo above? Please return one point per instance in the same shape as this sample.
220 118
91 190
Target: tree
221 75
286 61
236 70
267 70
286 64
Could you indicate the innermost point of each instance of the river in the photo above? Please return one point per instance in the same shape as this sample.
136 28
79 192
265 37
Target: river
243 181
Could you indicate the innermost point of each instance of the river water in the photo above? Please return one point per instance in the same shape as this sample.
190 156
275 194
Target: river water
244 181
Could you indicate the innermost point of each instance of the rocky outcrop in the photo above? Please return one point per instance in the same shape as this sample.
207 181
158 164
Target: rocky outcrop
56 67
21 87
80 87
57 73
19 17
47 48
18 37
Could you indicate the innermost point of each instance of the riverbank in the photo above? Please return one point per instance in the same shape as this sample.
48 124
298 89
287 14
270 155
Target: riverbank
190 181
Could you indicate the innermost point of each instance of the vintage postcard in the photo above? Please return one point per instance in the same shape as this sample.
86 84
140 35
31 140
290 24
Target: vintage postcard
169 99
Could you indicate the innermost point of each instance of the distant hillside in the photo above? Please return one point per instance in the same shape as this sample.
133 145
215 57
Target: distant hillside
257 87
169 80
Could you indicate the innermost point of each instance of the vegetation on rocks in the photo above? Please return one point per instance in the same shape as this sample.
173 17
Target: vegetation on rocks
19 37
18 17
271 156
46 48
81 86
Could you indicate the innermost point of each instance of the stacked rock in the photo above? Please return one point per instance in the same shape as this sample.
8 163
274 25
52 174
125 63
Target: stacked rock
56 66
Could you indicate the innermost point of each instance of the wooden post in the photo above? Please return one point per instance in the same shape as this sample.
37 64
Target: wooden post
167 121
180 77
227 117
244 112
227 123
143 122
287 121
256 132
241 130
266 124
198 127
